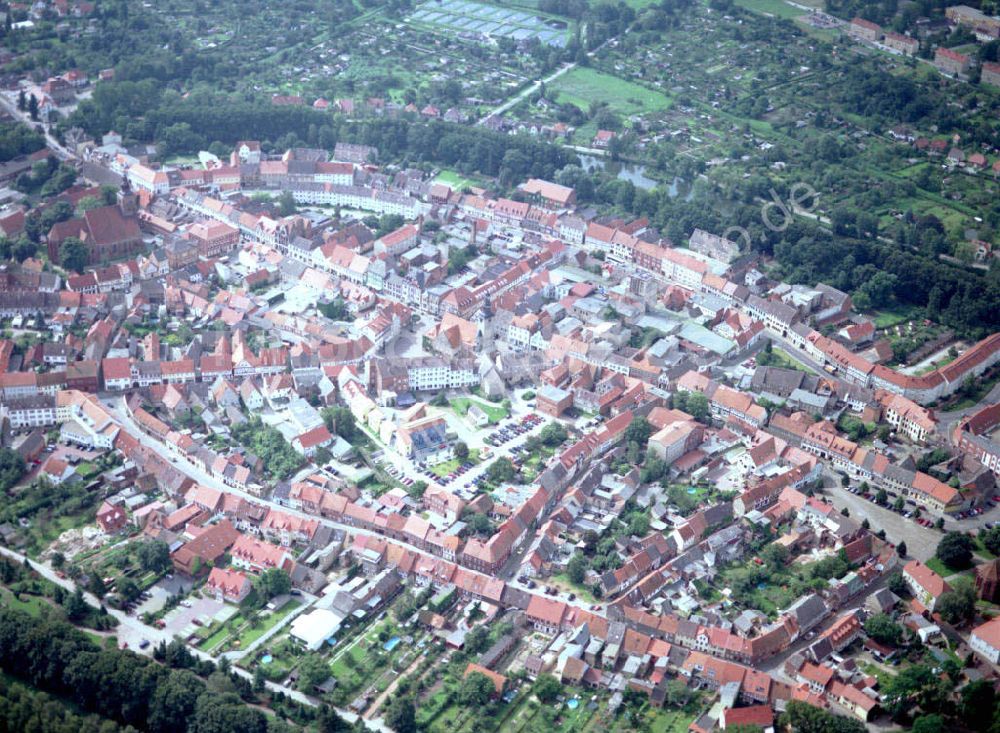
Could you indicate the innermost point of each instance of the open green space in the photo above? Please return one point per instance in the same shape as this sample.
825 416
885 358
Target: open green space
456 180
896 315
443 469
581 86
775 8
495 413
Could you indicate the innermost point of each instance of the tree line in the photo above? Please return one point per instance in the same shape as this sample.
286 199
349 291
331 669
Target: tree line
54 657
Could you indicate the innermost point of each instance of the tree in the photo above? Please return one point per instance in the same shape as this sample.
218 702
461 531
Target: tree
96 584
884 630
340 420
502 469
87 203
881 497
959 604
477 640
553 434
128 590
901 549
335 310
416 489
917 685
75 605
991 539
313 671
697 407
802 717
401 715
576 569
479 524
153 555
638 431
955 550
73 254
461 451
547 688
898 504
678 693
11 468
33 107
978 704
775 556
476 689
329 721
286 204
273 582
928 724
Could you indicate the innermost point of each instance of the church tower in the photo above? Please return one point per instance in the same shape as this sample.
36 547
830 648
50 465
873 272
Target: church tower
128 200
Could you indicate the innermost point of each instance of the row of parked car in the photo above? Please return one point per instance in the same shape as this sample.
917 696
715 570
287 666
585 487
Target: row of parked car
506 433
399 476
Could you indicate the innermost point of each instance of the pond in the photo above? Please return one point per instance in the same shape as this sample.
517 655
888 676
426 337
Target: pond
634 173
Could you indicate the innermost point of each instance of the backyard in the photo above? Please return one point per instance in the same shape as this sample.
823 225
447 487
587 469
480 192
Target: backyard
245 628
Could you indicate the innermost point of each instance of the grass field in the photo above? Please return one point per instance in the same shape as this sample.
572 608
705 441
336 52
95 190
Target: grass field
581 86
495 413
784 360
889 317
455 179
776 8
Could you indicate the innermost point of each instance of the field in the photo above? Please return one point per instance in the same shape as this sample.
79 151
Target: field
776 8
581 86
456 180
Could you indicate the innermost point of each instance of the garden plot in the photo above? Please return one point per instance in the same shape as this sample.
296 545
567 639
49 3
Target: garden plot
488 21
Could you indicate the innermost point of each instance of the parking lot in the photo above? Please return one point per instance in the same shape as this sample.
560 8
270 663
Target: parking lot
159 592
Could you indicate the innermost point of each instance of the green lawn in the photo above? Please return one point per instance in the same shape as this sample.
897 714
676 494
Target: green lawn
941 569
443 469
31 605
249 635
889 317
784 360
455 179
495 413
215 640
776 8
561 580
581 86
